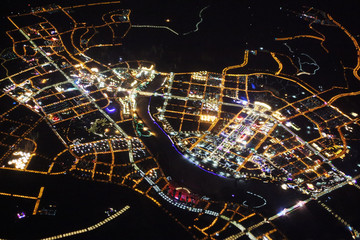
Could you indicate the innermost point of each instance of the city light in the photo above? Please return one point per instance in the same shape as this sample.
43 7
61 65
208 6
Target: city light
300 204
208 118
110 110
21 215
21 159
267 124
96 70
283 212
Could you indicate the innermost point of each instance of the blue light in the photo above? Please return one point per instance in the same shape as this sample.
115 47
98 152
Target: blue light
21 215
283 212
110 110
173 145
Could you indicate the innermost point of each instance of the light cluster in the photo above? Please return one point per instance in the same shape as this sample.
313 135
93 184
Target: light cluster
20 163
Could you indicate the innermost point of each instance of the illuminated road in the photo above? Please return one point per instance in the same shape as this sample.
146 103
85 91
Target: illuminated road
69 80
208 91
91 228
198 23
297 206
155 27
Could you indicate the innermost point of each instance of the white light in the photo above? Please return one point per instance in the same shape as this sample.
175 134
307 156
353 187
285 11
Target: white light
283 212
300 204
94 69
20 163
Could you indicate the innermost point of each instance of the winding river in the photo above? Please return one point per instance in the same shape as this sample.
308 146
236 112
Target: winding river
200 181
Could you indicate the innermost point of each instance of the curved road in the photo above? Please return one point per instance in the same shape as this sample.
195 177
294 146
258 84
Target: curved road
196 179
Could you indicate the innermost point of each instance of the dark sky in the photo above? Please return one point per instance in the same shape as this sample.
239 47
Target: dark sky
346 10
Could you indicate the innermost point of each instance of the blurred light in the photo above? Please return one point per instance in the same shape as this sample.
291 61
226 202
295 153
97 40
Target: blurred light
110 110
283 212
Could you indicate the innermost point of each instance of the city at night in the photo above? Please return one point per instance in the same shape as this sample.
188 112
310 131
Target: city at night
184 119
